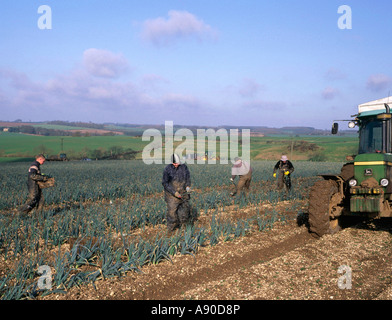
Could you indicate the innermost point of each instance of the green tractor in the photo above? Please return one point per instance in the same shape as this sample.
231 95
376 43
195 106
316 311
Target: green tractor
363 189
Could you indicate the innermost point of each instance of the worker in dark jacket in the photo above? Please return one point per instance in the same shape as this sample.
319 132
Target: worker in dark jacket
176 182
35 197
283 169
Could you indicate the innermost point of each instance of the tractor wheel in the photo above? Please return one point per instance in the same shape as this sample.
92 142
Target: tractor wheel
347 171
322 200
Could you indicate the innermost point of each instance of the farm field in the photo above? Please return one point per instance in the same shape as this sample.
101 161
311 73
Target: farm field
16 147
102 235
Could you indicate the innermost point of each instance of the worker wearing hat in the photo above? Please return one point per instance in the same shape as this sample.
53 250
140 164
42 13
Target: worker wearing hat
243 170
283 170
176 182
35 197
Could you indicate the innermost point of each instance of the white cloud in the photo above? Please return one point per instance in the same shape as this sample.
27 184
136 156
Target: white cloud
262 105
379 82
103 63
90 93
181 102
249 88
179 24
329 93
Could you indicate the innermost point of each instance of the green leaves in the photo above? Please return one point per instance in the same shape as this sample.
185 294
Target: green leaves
107 218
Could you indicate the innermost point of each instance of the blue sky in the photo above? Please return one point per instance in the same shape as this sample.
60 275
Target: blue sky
195 62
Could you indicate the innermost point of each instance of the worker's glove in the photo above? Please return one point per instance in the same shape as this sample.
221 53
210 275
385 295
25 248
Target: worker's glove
188 189
46 176
177 195
274 175
286 173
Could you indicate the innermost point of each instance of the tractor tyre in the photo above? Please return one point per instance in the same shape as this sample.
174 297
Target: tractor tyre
347 171
320 208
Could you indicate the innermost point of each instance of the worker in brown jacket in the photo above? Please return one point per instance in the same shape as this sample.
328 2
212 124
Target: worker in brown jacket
243 170
35 198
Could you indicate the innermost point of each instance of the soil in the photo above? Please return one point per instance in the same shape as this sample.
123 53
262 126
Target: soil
284 263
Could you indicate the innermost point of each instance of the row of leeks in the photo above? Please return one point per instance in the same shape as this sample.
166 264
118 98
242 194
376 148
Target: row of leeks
108 180
86 237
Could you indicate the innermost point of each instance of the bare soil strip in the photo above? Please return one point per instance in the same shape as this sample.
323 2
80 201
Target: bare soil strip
283 263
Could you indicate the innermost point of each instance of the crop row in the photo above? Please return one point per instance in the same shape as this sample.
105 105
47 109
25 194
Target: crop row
95 180
98 220
91 258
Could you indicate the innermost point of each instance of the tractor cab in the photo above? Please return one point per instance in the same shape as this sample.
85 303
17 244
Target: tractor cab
375 131
374 122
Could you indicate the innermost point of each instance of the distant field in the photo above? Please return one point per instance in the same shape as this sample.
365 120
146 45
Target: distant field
315 148
58 127
16 147
26 146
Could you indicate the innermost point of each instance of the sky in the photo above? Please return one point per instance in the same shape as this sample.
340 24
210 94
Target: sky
194 62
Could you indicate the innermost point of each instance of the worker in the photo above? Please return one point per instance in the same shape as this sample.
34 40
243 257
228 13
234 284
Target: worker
176 182
283 170
243 170
35 197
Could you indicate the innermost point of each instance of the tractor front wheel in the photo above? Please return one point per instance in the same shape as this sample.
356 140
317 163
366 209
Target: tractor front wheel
322 201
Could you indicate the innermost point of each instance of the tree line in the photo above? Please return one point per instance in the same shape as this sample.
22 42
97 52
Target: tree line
50 132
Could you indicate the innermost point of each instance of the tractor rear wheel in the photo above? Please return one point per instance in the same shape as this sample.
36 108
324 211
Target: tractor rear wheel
322 201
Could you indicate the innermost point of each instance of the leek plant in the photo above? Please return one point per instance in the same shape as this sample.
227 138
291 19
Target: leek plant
85 232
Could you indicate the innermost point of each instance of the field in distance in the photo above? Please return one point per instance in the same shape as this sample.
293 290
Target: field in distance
21 141
22 147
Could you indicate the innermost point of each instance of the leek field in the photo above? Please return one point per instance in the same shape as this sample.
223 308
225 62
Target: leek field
107 219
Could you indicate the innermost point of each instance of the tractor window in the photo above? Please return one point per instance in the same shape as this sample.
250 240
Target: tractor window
370 137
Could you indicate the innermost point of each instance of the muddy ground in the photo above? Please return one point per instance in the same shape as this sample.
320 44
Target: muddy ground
285 263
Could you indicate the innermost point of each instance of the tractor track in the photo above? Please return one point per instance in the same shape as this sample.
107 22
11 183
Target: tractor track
283 263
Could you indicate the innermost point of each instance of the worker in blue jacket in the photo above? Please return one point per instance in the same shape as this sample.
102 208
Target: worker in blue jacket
176 182
283 170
